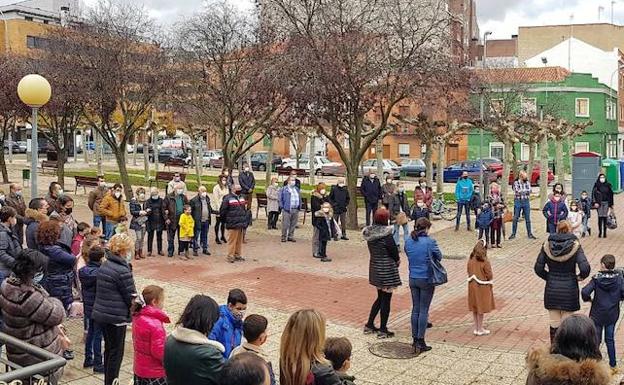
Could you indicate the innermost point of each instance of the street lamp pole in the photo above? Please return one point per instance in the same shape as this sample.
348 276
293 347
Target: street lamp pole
34 153
482 113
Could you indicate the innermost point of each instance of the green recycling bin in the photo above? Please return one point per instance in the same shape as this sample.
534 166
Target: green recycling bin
611 169
25 174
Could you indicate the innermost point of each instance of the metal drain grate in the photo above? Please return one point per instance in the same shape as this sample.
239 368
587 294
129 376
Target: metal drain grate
393 350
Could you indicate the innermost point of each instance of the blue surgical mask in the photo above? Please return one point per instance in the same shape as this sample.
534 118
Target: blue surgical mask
38 278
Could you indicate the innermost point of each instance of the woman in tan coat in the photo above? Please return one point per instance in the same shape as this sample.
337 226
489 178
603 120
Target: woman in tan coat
480 293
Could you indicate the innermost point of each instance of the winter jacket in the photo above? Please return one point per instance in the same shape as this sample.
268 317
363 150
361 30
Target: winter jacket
247 182
170 209
76 244
112 208
485 217
554 212
418 252
257 350
327 229
608 289
576 221
383 268
418 212
115 291
31 315
95 198
234 212
33 219
218 193
149 338
284 199
464 190
10 247
371 190
17 202
387 189
228 331
67 232
191 358
272 193
546 368
339 199
586 206
396 203
156 217
60 274
425 195
317 200
602 192
51 203
196 209
475 201
187 226
346 379
138 221
562 253
88 282
324 374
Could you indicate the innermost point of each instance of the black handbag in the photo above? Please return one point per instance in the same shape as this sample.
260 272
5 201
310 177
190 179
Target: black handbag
439 276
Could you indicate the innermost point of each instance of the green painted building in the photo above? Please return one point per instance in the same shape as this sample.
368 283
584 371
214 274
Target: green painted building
576 97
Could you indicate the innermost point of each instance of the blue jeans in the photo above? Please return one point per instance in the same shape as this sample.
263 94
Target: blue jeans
397 230
422 294
522 206
93 343
585 224
463 205
201 235
609 332
109 229
99 220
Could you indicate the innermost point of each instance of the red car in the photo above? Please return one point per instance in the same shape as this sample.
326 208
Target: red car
535 175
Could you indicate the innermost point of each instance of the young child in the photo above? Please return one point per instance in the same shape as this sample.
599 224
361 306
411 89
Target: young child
480 293
420 210
475 200
88 280
498 209
586 207
555 211
229 327
82 230
255 333
187 229
608 289
575 217
149 336
122 226
338 352
324 222
484 221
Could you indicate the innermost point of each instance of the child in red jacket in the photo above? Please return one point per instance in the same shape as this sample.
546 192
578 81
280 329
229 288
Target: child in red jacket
149 336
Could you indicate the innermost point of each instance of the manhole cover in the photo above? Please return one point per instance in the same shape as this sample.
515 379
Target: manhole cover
393 350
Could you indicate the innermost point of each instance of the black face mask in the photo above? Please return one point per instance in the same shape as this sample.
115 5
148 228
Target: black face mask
464 177
69 210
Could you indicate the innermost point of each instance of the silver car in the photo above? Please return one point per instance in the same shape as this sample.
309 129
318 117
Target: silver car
390 168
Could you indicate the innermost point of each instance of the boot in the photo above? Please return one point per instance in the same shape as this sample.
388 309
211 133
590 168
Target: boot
589 232
141 254
136 255
149 254
422 345
217 240
553 331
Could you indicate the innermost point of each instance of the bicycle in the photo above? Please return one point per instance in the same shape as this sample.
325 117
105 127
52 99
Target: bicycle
442 209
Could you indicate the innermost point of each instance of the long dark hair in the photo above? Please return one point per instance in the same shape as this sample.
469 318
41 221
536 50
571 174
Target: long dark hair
576 339
420 228
28 263
200 314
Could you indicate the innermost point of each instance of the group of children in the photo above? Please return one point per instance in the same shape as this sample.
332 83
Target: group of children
556 210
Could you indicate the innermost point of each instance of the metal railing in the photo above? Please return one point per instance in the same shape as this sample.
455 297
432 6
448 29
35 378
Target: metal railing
50 363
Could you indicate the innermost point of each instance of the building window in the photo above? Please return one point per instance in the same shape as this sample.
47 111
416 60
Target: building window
404 150
612 149
528 106
582 107
36 42
581 147
611 110
497 150
28 18
524 152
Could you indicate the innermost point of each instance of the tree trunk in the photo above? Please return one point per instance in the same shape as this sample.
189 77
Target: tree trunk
120 157
197 159
570 143
440 167
134 153
3 166
507 165
311 163
146 166
99 148
84 146
543 180
60 171
155 145
269 162
379 157
352 177
429 164
559 161
531 160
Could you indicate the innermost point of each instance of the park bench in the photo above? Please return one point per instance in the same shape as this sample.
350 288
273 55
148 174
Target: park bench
50 165
262 201
84 182
281 171
166 176
176 163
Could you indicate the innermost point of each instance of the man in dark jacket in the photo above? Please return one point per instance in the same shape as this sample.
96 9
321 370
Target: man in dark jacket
236 216
293 176
88 282
16 200
10 246
371 190
339 199
247 182
35 214
174 206
155 206
201 210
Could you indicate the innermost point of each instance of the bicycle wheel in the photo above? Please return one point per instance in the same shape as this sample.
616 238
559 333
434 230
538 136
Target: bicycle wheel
448 213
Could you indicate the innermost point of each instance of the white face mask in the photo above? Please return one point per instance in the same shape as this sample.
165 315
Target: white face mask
117 194
142 196
246 169
180 191
388 181
325 209
602 180
372 176
226 173
203 194
102 184
154 196
292 183
423 185
401 189
322 192
59 192
340 184
38 278
421 204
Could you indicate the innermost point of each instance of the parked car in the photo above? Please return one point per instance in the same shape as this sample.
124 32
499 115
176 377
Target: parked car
166 154
210 156
259 161
535 174
139 148
453 172
18 147
390 168
91 148
333 168
413 167
304 163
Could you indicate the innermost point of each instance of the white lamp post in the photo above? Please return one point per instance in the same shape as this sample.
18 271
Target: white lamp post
34 91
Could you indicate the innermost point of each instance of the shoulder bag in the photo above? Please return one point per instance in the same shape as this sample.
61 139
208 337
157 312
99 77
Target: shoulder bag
439 276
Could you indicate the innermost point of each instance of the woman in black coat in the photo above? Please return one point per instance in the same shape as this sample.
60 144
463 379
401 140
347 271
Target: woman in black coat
556 264
602 196
155 208
383 270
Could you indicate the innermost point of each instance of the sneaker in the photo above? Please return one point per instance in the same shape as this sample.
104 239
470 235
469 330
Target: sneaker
231 259
206 252
531 236
98 369
512 236
370 329
385 334
195 253
239 258
325 259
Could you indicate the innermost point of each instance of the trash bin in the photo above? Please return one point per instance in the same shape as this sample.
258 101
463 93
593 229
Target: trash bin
25 176
621 161
585 170
612 171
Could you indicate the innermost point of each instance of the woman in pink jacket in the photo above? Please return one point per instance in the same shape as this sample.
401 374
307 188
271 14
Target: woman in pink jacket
149 336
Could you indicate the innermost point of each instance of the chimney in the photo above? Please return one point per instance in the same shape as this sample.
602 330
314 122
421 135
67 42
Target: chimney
64 16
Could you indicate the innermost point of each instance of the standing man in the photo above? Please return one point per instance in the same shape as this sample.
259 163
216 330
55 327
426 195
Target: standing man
113 208
176 179
463 195
94 201
522 203
339 199
371 190
201 210
234 212
247 181
16 200
290 204
174 207
293 175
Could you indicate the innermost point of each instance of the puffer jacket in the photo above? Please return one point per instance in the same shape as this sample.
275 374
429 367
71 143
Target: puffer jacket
398 202
59 276
115 291
326 229
9 249
191 358
608 289
562 253
30 314
234 212
112 208
149 338
383 270
485 217
156 217
325 375
33 219
88 283
228 330
339 198
546 368
95 198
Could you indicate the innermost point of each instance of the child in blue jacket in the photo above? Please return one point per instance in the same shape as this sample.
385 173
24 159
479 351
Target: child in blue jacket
484 221
555 211
88 283
229 327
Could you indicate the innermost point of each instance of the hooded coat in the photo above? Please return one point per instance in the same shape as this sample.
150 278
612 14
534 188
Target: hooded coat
9 248
228 331
555 369
33 220
326 228
562 253
149 337
191 358
608 289
60 275
383 270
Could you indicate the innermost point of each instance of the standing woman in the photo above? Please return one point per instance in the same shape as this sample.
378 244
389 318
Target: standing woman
602 196
399 208
420 248
383 271
302 361
155 209
557 264
272 193
63 212
480 293
318 197
219 191
424 193
115 291
138 222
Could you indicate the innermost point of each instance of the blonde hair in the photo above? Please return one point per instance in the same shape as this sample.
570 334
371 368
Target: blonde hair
88 242
120 244
301 346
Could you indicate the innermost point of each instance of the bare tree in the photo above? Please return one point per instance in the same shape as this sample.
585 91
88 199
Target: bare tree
12 69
